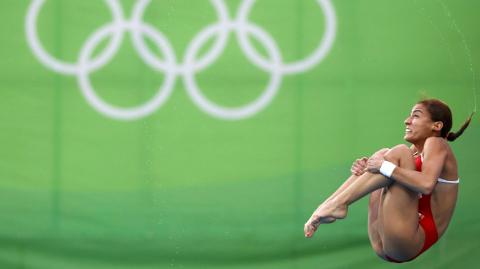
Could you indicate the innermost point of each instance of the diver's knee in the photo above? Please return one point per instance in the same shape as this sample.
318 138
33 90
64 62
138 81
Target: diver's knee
394 154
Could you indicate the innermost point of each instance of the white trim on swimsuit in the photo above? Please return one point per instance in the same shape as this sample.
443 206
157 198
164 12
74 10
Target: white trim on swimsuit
441 180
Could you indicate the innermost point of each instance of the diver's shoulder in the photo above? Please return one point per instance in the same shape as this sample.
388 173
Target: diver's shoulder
437 142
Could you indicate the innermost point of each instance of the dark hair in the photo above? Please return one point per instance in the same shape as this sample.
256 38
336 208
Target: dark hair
439 111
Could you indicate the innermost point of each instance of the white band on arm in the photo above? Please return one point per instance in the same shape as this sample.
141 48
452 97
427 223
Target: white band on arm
387 168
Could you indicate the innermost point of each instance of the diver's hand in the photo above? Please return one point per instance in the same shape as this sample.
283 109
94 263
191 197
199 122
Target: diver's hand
375 162
359 166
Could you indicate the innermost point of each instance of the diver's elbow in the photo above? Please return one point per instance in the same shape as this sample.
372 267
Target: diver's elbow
428 187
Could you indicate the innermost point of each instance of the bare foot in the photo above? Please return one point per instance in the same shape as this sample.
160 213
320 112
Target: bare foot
324 214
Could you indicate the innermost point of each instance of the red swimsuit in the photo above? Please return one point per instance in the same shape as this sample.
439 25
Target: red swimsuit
425 219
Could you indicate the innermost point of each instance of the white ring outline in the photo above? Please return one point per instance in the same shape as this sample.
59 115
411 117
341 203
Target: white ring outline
296 66
58 65
114 111
247 110
191 65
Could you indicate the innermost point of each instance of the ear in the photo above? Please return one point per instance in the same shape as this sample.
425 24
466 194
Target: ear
437 126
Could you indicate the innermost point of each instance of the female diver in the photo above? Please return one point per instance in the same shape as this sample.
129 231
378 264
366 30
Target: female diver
413 190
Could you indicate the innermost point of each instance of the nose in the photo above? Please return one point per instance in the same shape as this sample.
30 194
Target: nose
408 120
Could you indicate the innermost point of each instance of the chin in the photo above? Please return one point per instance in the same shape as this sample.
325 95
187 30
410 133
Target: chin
408 138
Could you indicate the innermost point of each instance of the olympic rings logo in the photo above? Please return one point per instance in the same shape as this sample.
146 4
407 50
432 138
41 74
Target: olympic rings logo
170 66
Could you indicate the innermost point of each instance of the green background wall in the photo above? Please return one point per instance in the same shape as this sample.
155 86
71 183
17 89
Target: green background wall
180 188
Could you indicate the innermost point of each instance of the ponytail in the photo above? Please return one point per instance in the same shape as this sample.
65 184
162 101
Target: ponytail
452 136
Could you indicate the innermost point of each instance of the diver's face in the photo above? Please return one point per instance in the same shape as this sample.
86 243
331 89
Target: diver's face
419 125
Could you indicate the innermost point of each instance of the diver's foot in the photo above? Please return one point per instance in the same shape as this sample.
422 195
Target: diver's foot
324 214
